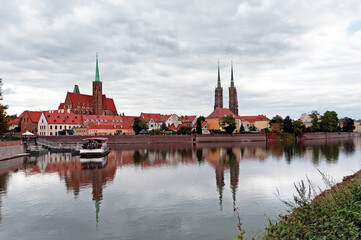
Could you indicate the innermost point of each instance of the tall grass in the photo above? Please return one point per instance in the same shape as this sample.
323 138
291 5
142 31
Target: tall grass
335 214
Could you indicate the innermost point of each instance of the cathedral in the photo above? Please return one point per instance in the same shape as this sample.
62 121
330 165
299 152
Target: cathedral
233 101
95 104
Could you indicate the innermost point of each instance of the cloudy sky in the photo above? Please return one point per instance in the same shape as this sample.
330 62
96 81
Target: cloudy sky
290 57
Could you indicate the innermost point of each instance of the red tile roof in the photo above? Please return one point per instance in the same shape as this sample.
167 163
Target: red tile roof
187 119
14 121
172 127
33 115
252 119
204 123
103 119
157 117
84 99
221 112
56 117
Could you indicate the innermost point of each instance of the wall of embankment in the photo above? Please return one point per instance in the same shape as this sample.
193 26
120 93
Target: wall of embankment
148 139
10 149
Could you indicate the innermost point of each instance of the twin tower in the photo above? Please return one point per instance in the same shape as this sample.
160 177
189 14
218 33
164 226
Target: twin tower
233 101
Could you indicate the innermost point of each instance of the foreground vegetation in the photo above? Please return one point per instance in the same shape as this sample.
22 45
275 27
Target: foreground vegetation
334 214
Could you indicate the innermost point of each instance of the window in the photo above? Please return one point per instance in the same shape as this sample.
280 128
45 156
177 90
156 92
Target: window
56 127
51 127
215 121
51 134
60 127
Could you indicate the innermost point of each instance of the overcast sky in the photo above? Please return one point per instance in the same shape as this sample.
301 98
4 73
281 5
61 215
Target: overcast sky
289 57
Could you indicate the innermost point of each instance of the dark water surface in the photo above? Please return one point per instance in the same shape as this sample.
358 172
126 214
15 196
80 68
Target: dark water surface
169 191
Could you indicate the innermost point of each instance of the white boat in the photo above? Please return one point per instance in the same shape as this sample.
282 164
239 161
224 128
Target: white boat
95 147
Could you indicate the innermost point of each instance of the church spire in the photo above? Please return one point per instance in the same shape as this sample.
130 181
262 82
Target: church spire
232 80
97 78
219 77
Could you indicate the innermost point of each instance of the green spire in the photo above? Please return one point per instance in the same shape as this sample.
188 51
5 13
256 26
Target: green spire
232 80
76 89
219 77
97 78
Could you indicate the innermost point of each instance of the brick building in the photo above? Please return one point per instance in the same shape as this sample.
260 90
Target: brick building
95 104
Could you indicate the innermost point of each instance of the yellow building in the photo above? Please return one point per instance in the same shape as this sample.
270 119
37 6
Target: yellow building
213 120
259 122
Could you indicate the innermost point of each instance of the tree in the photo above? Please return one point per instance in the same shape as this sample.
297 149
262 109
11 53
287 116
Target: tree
315 121
200 119
139 125
3 118
287 125
329 121
183 130
164 127
298 127
348 124
228 123
276 124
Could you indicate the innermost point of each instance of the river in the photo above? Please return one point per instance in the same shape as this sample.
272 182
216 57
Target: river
163 191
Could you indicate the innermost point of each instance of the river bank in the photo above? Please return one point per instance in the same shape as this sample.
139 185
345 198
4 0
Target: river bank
207 138
11 149
333 214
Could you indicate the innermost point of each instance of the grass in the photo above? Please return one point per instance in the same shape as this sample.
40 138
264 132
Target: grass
333 214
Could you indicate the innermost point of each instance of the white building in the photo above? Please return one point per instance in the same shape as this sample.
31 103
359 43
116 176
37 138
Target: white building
53 121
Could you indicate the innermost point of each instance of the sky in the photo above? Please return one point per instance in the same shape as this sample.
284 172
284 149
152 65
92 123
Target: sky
161 56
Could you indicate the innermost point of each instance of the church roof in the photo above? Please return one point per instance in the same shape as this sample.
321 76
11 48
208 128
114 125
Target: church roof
84 99
157 117
221 112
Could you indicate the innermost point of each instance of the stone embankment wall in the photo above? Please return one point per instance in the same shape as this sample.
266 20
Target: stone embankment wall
147 139
9 149
324 135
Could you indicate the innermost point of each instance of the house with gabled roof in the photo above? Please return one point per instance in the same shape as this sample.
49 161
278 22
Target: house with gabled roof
189 120
29 121
257 121
53 121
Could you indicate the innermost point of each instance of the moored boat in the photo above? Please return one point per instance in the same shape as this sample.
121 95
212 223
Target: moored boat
95 147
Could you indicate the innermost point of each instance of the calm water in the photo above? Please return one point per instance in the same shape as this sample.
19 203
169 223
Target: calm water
174 191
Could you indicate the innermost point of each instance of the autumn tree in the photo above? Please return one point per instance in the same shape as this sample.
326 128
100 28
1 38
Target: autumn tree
276 124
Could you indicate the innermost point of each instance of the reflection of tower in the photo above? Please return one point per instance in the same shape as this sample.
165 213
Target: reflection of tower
220 182
234 174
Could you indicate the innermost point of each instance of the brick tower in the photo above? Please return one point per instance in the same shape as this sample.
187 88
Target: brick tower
218 96
97 92
233 101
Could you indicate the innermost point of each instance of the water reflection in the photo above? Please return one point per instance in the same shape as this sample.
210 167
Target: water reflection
222 159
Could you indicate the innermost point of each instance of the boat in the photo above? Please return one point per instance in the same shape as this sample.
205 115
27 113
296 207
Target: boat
95 147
